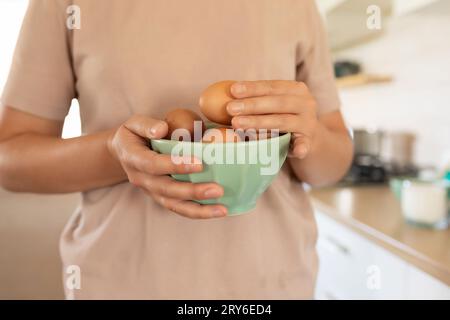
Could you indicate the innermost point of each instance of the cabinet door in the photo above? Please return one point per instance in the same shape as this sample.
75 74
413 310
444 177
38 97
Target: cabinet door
352 267
390 271
421 285
343 263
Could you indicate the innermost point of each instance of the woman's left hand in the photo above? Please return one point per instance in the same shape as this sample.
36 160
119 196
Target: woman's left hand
280 104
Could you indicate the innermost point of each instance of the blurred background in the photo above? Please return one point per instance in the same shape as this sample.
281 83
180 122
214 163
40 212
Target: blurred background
383 230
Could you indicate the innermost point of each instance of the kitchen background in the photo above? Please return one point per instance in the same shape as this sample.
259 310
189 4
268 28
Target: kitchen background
397 83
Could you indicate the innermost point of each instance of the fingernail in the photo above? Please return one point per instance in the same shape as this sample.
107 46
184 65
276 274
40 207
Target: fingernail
301 151
182 159
218 213
242 122
239 88
192 167
212 193
196 161
155 129
235 107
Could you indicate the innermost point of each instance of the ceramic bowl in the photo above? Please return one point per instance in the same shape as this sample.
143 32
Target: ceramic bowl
244 169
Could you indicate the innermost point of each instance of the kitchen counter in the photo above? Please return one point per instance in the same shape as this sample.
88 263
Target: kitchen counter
374 212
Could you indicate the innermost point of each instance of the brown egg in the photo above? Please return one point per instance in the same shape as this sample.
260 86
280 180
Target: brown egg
220 135
213 102
253 135
183 119
264 135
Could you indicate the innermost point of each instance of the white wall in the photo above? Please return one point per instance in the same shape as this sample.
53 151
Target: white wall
415 50
11 15
405 6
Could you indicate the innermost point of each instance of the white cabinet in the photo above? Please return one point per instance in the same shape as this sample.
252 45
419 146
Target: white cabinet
421 285
353 267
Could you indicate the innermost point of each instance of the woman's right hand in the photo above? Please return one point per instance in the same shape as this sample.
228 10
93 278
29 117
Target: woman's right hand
150 170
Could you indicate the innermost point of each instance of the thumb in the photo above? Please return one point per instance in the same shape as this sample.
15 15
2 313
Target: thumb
147 127
300 147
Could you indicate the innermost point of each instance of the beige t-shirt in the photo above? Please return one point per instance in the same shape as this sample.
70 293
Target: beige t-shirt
147 56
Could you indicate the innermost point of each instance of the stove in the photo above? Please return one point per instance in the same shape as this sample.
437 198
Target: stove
369 169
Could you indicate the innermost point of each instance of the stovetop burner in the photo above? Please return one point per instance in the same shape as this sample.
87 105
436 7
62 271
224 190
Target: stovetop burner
367 169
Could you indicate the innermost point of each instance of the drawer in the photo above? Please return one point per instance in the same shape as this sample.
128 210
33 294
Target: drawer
421 285
352 267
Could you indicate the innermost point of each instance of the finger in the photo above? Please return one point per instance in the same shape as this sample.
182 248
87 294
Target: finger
282 122
147 127
169 187
300 146
191 209
145 160
135 153
246 89
267 104
291 147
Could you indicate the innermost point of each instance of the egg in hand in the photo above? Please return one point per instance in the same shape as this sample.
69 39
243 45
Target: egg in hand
213 102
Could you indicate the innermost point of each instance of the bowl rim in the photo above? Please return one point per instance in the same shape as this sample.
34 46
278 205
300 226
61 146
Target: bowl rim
284 135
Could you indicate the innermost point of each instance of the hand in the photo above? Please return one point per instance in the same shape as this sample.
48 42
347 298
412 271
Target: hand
284 105
150 170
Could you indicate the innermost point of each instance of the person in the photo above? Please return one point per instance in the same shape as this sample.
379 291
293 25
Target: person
137 233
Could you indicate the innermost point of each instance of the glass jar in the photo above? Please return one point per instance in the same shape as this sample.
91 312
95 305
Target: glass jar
425 203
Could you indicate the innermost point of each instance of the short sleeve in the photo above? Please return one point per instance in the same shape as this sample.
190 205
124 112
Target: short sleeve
314 65
41 80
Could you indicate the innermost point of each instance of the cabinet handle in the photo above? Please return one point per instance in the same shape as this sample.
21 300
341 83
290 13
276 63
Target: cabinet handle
336 246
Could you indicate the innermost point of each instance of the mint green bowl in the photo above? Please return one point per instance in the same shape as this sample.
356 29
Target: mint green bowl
244 169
